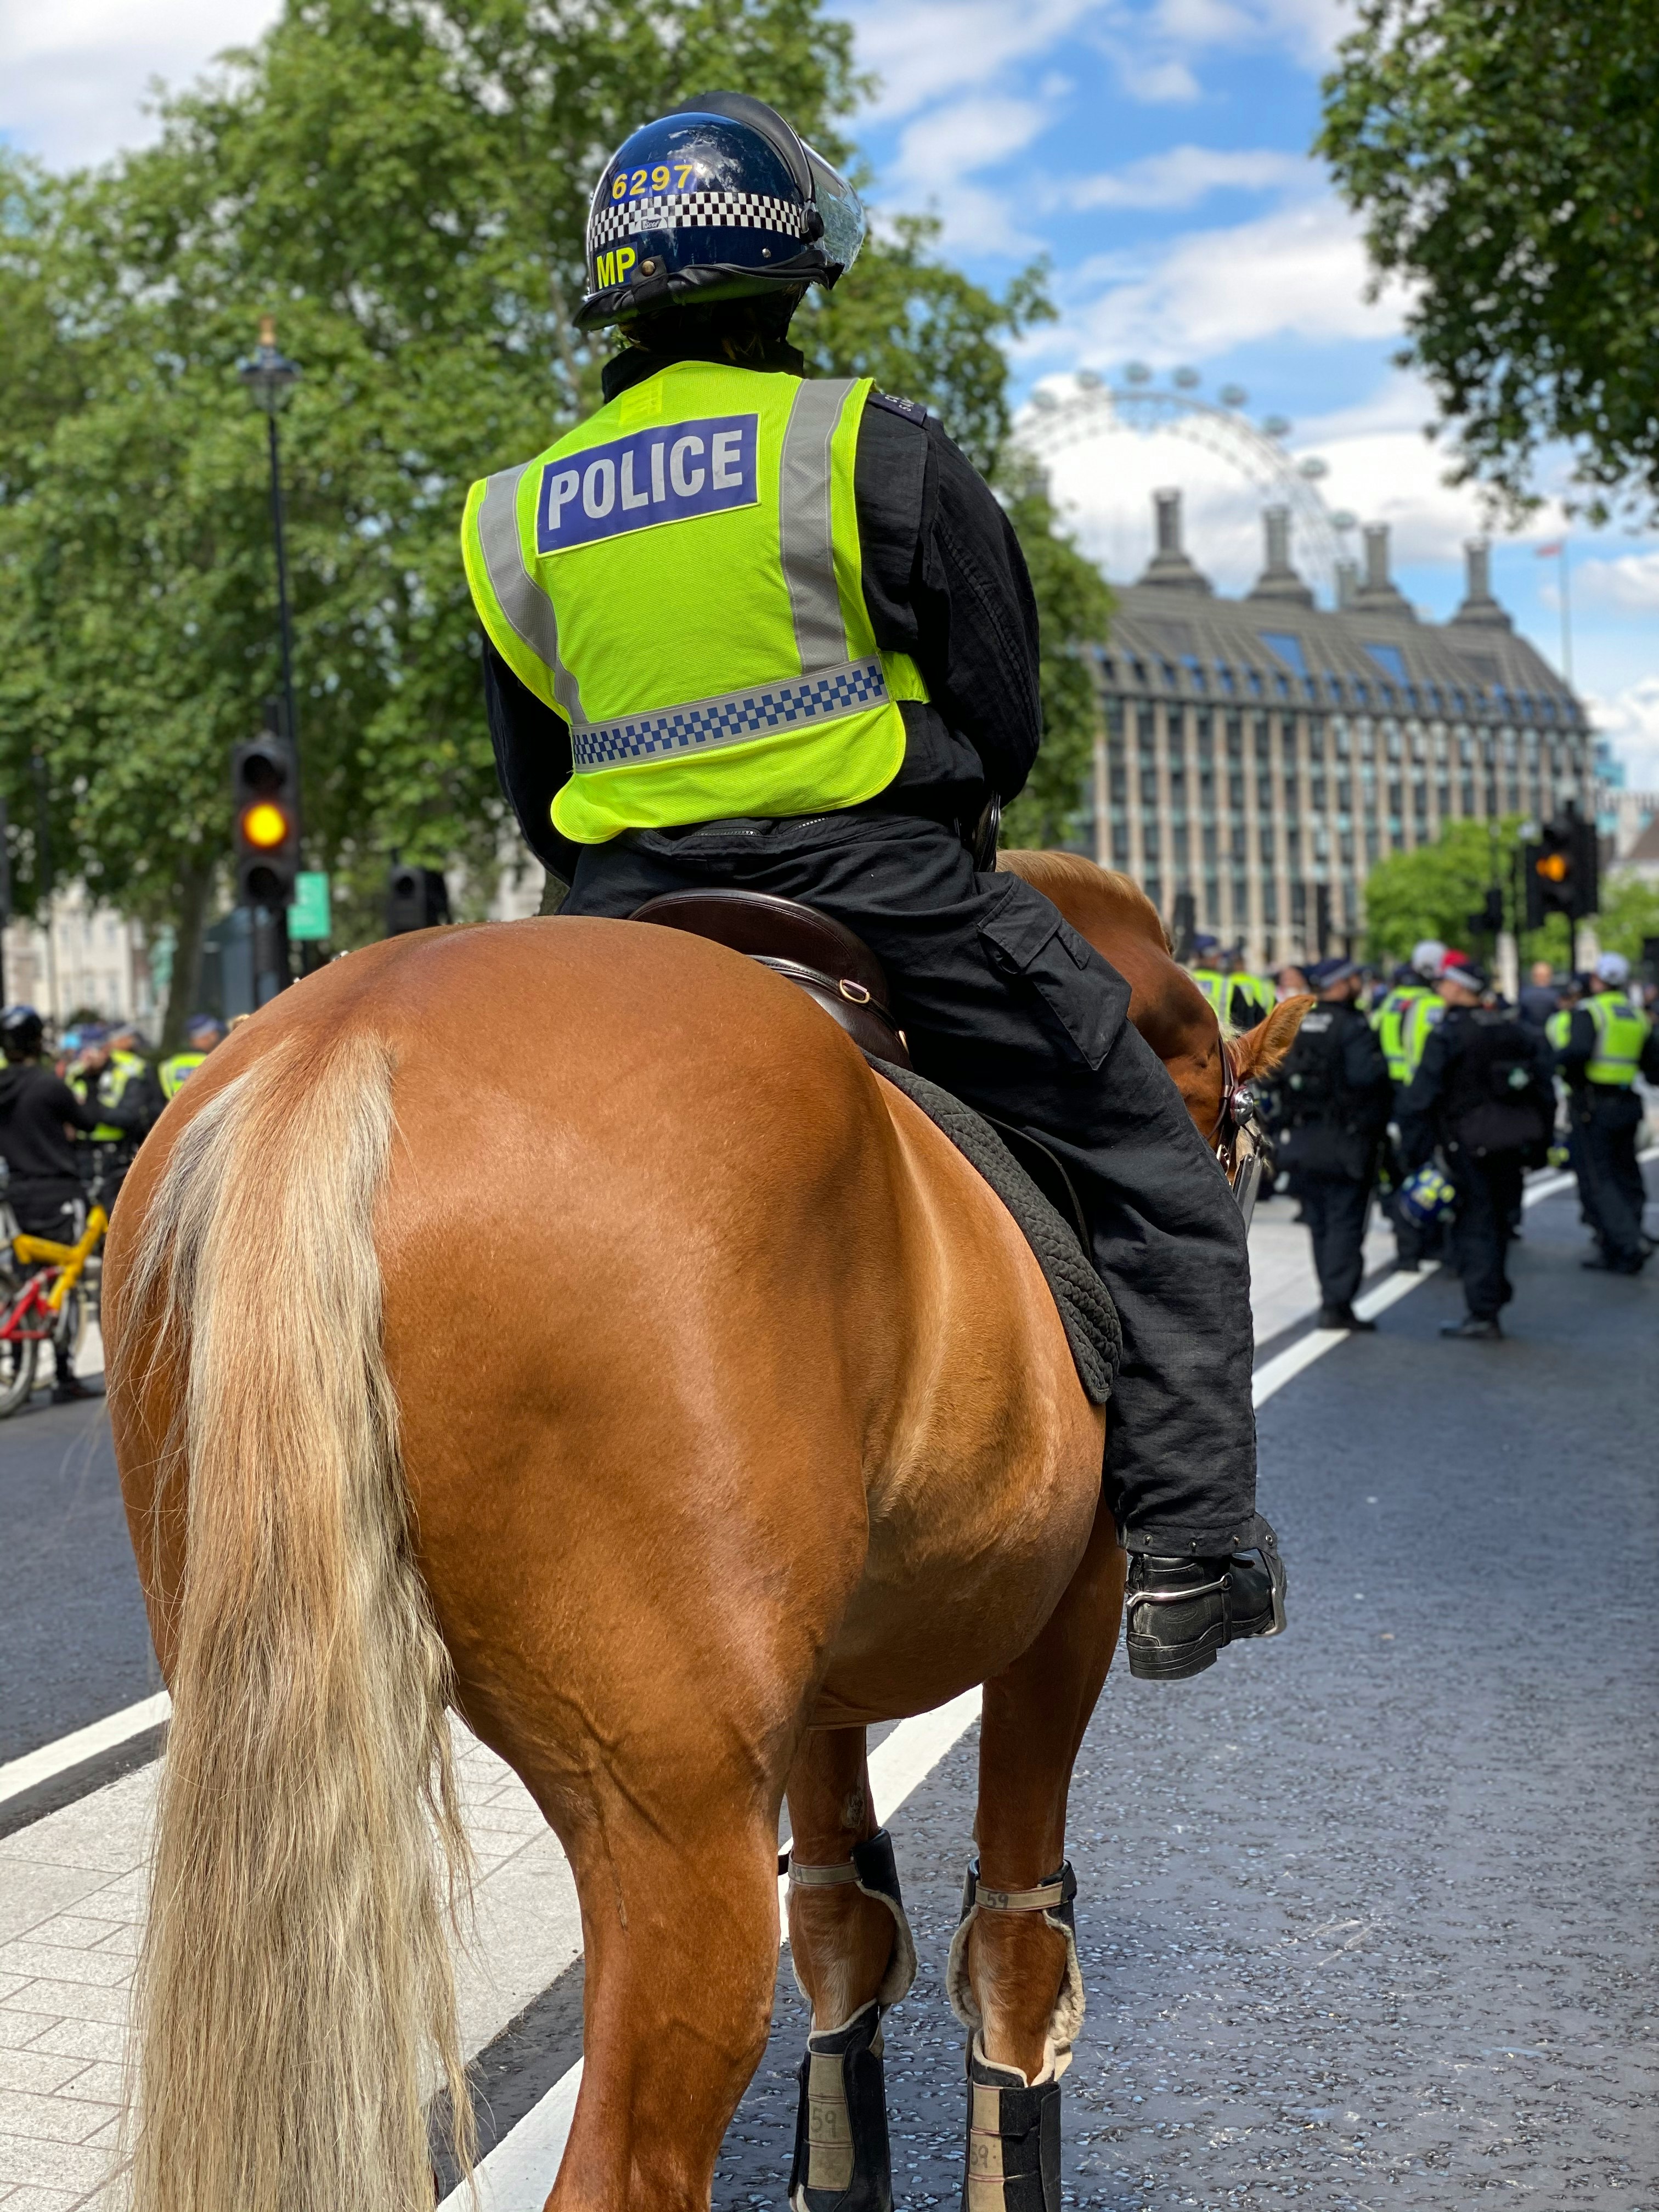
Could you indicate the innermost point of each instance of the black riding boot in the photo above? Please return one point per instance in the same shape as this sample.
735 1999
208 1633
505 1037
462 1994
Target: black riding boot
1180 1613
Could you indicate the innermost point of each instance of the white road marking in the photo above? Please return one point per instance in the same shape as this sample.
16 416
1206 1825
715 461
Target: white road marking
518 2173
1268 1381
54 1758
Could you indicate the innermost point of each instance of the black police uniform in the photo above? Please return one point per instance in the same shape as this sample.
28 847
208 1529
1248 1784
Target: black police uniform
1605 1121
104 1165
1334 1096
1001 1000
1485 1093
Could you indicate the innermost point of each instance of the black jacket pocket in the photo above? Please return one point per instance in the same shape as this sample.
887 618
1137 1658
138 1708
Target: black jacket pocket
1028 939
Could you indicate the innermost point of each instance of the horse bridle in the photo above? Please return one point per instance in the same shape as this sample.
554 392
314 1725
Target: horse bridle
1237 1144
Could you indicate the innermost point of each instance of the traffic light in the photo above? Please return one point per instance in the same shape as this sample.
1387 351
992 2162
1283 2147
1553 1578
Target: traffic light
264 783
1561 871
1488 919
416 898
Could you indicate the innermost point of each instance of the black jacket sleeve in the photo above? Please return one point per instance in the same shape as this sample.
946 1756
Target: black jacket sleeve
64 1104
533 760
946 581
1365 1072
1580 1046
1419 1106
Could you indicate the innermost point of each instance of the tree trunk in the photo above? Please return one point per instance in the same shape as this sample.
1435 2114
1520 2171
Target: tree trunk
194 887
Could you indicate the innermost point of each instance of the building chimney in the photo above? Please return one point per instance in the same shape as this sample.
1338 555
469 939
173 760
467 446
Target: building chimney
1378 594
1479 610
1168 565
1279 580
1347 583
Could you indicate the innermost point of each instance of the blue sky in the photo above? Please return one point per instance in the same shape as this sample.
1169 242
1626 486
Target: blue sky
1156 151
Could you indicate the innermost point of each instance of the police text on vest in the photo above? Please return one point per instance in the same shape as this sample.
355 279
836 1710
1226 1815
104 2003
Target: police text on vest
668 473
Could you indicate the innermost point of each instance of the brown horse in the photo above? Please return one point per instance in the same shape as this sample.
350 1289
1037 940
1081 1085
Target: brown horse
672 1400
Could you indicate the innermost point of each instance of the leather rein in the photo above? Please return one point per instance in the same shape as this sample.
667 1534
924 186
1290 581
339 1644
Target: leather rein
1237 1144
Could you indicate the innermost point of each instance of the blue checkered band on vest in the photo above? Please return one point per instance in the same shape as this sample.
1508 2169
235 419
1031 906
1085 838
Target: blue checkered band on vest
732 720
703 210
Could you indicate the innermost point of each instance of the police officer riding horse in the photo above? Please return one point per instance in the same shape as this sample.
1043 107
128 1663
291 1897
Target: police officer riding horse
749 628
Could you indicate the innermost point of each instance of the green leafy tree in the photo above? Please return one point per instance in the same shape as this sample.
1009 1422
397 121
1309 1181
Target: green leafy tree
1433 891
1505 156
1630 913
407 190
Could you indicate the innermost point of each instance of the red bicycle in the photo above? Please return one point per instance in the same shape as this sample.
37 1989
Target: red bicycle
44 1287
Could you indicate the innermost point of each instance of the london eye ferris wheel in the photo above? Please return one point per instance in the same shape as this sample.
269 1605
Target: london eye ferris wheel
1134 405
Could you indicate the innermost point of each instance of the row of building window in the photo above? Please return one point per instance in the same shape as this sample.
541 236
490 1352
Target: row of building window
1328 689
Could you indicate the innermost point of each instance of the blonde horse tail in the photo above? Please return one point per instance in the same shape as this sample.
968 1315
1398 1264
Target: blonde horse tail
294 2004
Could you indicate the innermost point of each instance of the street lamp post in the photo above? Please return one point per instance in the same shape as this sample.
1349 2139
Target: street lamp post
268 376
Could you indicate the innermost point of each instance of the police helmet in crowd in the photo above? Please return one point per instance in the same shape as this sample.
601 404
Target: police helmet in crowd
719 200
1427 1196
1612 968
22 1032
1427 958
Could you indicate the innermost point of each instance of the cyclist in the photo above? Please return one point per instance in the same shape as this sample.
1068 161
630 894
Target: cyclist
38 1109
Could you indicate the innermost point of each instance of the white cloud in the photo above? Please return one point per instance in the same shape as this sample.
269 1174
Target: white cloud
1631 719
1181 176
1297 272
76 75
938 154
926 49
1631 582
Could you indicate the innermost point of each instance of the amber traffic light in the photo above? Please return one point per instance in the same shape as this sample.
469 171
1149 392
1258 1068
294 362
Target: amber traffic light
263 781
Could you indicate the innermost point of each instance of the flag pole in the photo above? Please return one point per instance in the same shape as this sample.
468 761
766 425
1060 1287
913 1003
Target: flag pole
1566 620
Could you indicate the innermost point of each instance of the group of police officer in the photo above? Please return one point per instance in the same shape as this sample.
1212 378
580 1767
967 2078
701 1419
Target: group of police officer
71 1123
1442 1094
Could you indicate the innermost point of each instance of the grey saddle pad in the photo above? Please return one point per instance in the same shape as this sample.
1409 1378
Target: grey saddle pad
1086 1311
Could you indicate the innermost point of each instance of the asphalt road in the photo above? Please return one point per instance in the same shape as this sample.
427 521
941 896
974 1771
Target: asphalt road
1367 1915
73 1642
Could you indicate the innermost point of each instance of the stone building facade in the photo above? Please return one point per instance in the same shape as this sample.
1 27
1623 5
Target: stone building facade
1263 754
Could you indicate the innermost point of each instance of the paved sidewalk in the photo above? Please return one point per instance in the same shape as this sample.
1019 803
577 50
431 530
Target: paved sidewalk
72 1899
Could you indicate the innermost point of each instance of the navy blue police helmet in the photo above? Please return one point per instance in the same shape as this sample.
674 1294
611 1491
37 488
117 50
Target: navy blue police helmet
719 200
22 1032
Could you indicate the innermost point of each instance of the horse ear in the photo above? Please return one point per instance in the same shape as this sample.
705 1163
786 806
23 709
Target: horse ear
1260 1050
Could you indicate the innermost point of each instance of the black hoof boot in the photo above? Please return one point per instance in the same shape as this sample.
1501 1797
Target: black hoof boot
1013 2140
842 2160
1180 1613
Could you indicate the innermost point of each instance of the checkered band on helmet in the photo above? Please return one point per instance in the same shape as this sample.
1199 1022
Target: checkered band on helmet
703 210
719 200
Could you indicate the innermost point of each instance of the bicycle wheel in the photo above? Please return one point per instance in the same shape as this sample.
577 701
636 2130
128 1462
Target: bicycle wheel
17 1360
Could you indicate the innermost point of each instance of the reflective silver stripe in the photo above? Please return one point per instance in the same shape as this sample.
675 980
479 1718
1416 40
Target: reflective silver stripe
805 525
733 719
519 596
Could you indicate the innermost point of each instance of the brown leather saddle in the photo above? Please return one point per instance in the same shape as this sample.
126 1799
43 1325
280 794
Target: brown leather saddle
838 970
830 964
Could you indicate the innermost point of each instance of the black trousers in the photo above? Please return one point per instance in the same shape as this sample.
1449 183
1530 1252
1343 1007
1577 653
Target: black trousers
1488 1198
1005 1004
1606 1125
1334 1208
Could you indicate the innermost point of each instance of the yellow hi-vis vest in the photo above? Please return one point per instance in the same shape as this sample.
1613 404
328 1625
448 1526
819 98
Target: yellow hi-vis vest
1620 1034
680 578
1390 1023
123 1067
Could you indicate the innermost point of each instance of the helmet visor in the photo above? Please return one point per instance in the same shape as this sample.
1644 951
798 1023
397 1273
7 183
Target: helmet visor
842 208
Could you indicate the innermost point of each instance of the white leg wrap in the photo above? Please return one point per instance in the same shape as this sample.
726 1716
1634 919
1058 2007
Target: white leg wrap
1054 1900
871 1870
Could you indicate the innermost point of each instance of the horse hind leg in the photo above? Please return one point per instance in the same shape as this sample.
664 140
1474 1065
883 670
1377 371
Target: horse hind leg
1013 1977
851 1951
